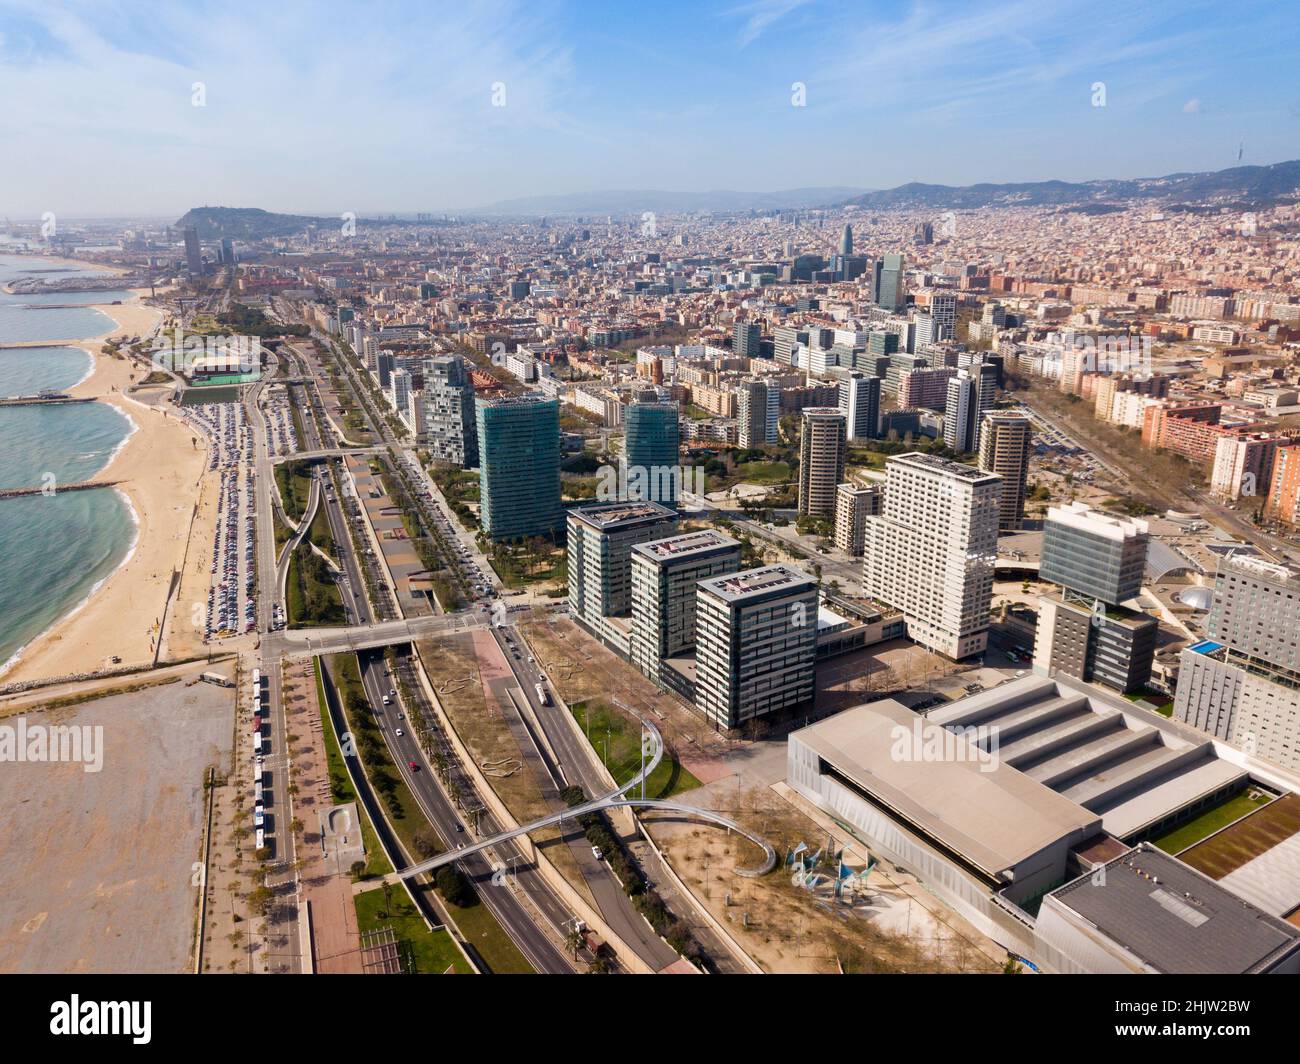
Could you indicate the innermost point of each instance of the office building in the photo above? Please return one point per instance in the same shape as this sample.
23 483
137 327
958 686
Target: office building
745 339
758 412
854 503
846 241
1006 441
969 400
822 453
1084 631
193 253
756 644
859 397
399 390
228 251
943 315
1242 683
650 468
887 283
960 411
930 553
449 429
785 339
519 466
600 538
1094 554
665 575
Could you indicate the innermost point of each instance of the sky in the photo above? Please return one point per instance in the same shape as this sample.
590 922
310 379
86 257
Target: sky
142 108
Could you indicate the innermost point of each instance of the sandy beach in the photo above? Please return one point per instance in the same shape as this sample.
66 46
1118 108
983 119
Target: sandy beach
158 470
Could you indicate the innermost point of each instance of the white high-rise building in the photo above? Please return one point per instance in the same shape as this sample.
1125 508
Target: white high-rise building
931 551
399 390
758 412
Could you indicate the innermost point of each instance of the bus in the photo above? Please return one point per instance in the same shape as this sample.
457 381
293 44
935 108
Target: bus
257 742
543 696
261 839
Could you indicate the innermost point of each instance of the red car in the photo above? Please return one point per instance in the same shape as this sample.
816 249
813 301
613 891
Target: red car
414 766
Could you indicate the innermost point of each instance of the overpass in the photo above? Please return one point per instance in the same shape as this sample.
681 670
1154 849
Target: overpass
326 452
615 799
301 642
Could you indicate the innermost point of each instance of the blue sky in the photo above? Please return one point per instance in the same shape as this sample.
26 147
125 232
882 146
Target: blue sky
389 106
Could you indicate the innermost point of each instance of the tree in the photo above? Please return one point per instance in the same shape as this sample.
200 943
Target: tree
454 887
357 869
426 842
573 940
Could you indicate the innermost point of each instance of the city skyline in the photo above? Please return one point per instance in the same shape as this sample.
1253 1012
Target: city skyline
434 109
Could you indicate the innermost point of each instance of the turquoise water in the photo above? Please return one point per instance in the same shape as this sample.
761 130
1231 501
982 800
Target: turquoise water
28 371
53 549
38 317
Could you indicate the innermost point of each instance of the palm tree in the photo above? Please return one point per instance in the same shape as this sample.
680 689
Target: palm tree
573 939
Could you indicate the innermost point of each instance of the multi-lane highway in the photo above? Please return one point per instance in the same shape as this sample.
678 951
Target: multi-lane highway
520 902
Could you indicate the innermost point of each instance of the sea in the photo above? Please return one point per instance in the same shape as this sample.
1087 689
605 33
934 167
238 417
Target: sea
55 550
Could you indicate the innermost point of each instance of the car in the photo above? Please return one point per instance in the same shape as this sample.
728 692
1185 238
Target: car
596 853
414 766
398 732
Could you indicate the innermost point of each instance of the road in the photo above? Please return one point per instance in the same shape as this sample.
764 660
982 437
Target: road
504 896
580 765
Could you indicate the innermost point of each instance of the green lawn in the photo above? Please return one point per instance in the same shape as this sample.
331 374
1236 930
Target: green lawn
598 720
1208 823
426 952
476 923
342 791
314 599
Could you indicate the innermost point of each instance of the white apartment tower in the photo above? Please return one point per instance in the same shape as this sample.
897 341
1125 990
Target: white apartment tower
931 551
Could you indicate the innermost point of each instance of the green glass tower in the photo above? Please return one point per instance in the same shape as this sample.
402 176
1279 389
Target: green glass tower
650 453
519 466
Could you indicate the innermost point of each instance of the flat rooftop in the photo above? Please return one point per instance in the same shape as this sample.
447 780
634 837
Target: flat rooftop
687 545
992 815
1176 919
735 587
608 516
943 465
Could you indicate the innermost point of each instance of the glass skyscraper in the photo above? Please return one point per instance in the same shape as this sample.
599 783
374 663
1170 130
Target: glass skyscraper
650 453
519 466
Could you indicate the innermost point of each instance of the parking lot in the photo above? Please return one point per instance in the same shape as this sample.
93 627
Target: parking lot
281 439
232 594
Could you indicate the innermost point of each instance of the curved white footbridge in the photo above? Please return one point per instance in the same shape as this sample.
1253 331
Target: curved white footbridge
614 800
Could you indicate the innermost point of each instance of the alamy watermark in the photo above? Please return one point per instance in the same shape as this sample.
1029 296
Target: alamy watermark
977 744
82 744
637 483
193 354
1101 352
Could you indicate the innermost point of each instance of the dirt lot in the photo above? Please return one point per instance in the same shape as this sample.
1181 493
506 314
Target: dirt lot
582 668
470 677
891 924
97 869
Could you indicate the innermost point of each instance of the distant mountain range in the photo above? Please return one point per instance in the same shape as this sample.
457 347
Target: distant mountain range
1241 185
1247 184
253 223
625 202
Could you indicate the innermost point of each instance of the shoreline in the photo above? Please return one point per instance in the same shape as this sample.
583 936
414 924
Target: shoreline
119 615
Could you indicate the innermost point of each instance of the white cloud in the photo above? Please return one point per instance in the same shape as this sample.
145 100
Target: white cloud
1192 107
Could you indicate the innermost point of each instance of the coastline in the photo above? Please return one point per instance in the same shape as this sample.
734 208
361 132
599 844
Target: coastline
119 615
